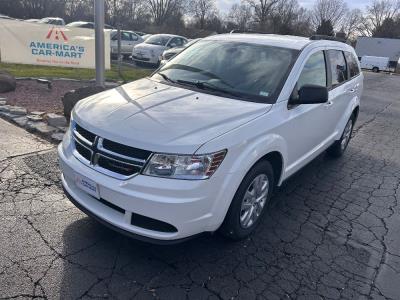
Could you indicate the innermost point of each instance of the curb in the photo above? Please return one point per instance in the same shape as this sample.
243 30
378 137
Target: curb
49 126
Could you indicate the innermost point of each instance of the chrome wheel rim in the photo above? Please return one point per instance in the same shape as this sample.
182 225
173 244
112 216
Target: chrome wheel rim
347 134
254 200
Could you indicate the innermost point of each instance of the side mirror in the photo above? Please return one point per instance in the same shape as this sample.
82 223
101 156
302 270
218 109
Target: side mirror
311 94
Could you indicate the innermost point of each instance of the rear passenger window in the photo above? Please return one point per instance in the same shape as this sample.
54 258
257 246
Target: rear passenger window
314 71
125 36
338 67
352 64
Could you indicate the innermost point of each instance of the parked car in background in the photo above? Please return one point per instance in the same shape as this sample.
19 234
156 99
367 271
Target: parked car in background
375 63
84 24
52 21
32 20
168 54
152 48
140 33
129 39
201 144
6 17
146 36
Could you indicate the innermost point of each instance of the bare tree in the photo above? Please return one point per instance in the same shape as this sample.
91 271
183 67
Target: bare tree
262 10
161 10
240 15
333 11
284 15
302 25
352 22
202 10
376 14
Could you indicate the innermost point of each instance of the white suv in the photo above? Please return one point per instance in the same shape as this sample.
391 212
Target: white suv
201 144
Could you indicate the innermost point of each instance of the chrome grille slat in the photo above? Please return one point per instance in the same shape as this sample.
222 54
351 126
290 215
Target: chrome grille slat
103 160
104 150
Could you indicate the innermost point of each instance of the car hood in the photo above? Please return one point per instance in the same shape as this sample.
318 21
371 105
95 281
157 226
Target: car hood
148 47
174 50
154 116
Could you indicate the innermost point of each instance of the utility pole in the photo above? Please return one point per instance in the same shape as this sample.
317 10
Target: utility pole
99 41
119 50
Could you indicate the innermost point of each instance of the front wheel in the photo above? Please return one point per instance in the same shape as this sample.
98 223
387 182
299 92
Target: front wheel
250 202
340 146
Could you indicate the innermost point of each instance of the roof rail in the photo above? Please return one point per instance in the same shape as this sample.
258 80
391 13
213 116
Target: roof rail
318 37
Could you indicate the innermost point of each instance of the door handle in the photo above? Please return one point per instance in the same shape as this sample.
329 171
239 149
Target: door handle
352 90
329 103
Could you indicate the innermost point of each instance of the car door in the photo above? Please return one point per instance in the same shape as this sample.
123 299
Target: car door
126 43
304 125
340 90
174 42
135 39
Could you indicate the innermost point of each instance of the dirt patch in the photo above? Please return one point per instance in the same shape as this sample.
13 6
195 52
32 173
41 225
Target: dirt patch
36 97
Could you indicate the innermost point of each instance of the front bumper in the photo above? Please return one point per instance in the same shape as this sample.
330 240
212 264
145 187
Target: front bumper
192 207
145 59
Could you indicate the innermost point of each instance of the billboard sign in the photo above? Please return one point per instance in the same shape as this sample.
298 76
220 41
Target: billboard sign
42 44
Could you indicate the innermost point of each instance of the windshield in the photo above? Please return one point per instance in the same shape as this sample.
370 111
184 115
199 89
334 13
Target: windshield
160 40
248 71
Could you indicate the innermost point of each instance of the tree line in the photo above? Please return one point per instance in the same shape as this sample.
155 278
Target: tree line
201 17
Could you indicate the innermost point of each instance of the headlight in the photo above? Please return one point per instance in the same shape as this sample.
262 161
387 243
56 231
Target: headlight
189 167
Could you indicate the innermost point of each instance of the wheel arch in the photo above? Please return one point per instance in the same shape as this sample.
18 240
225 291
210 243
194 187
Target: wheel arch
355 113
275 158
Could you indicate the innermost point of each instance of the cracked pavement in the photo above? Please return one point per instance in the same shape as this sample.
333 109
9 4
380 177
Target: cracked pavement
332 231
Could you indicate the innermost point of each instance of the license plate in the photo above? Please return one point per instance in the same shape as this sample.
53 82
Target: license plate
87 185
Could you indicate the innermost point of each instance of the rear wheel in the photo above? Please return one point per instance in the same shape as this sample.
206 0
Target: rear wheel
250 202
375 69
340 146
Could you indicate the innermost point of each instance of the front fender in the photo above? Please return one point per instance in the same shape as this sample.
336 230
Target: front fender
240 158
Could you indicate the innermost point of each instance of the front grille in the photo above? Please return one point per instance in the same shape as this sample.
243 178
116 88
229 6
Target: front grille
87 135
117 166
84 151
140 58
106 156
126 150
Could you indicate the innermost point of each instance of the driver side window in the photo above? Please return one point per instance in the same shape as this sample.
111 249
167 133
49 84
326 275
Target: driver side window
314 71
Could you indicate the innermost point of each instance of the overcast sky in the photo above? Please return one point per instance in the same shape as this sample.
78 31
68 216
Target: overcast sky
224 5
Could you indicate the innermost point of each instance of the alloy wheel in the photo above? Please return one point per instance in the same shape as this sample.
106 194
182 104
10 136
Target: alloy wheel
254 200
346 134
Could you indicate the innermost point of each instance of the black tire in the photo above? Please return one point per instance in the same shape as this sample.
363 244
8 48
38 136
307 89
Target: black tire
232 227
337 149
375 69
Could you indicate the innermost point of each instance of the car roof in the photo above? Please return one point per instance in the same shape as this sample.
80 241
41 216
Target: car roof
284 41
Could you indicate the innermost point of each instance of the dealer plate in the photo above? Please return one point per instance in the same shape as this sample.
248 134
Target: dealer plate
87 185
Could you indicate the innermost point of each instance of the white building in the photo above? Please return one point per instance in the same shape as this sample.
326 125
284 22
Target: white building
379 47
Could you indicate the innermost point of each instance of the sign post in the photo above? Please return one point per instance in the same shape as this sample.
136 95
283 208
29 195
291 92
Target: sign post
99 41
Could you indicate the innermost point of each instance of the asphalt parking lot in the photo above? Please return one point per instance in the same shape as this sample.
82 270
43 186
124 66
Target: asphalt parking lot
333 230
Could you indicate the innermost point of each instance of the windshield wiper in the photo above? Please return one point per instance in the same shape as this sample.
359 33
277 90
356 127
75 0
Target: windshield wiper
204 85
165 77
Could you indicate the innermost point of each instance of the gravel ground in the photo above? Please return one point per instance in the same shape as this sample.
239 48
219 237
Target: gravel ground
36 97
332 233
